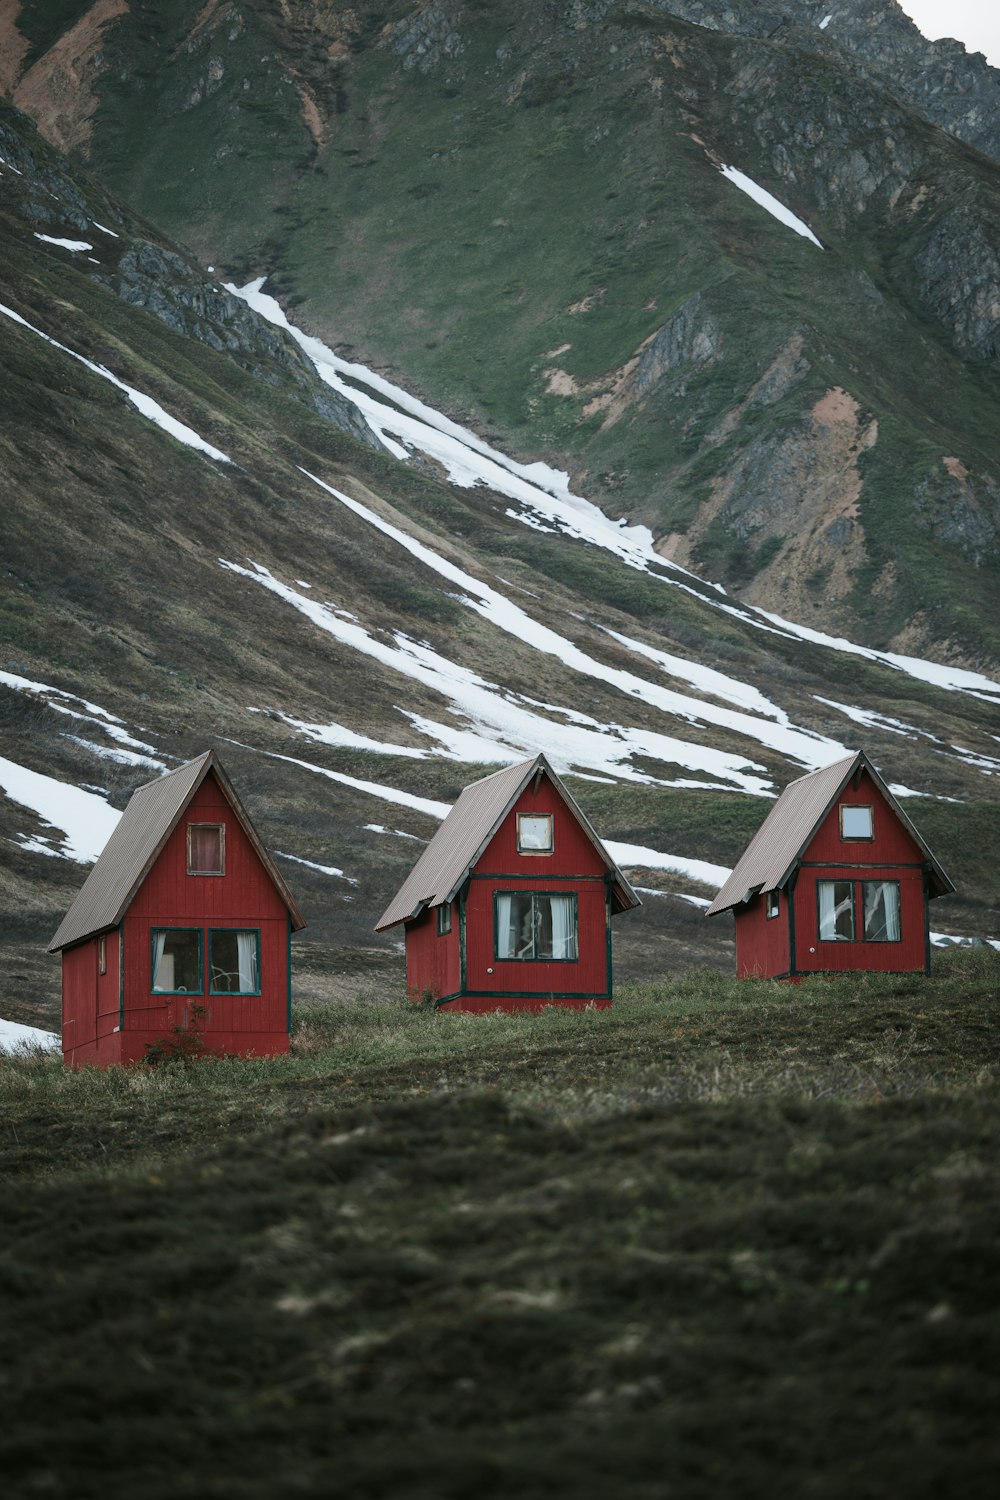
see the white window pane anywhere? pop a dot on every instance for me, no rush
(534, 833)
(881, 902)
(836, 910)
(856, 822)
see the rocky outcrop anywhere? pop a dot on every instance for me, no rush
(958, 270)
(961, 509)
(949, 86)
(427, 38)
(162, 281)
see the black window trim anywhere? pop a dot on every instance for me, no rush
(854, 912)
(533, 958)
(201, 960)
(233, 994)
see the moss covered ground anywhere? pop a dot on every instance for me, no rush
(724, 1238)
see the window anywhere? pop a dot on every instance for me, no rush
(880, 903)
(836, 910)
(176, 961)
(206, 849)
(857, 822)
(102, 955)
(532, 925)
(771, 904)
(234, 962)
(444, 919)
(534, 833)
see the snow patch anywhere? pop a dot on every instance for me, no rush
(504, 729)
(768, 201)
(311, 864)
(64, 244)
(81, 821)
(149, 408)
(15, 1038)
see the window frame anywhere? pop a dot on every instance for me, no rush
(772, 905)
(233, 994)
(852, 883)
(199, 932)
(548, 818)
(858, 838)
(221, 827)
(533, 958)
(102, 954)
(444, 919)
(899, 911)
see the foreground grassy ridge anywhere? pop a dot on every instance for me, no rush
(725, 1238)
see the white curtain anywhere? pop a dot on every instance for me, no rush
(882, 911)
(506, 936)
(830, 909)
(563, 927)
(159, 943)
(246, 951)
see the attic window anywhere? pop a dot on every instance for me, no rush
(444, 919)
(857, 822)
(771, 903)
(534, 833)
(206, 849)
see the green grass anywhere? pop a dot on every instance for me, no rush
(723, 1239)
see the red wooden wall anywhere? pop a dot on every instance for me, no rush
(111, 1018)
(763, 944)
(573, 868)
(90, 1001)
(433, 959)
(892, 854)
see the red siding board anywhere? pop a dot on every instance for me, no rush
(892, 854)
(574, 867)
(763, 949)
(433, 959)
(112, 1017)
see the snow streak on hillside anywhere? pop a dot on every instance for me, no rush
(150, 409)
(544, 495)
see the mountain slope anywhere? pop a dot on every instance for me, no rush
(207, 542)
(521, 207)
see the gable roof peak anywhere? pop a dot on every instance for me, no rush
(467, 830)
(152, 814)
(778, 845)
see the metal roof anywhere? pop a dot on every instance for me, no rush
(144, 827)
(465, 833)
(776, 847)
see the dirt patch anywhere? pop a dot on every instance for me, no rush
(13, 46)
(57, 91)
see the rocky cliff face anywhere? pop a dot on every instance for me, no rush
(949, 86)
(520, 208)
(164, 281)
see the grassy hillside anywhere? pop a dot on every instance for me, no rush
(737, 1235)
(113, 593)
(514, 213)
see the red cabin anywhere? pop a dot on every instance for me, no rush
(509, 907)
(184, 924)
(835, 879)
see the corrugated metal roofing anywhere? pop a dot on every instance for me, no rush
(144, 827)
(779, 842)
(465, 833)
